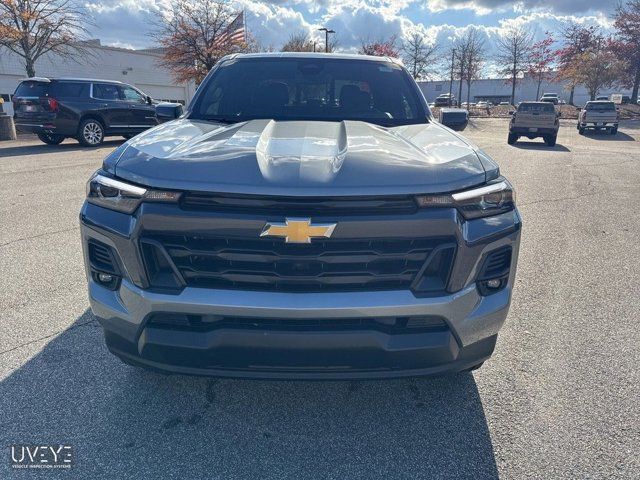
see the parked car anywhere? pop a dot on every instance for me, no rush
(598, 115)
(280, 231)
(482, 104)
(85, 109)
(505, 104)
(618, 98)
(603, 97)
(444, 100)
(550, 97)
(454, 118)
(532, 120)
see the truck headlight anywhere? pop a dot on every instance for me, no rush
(123, 197)
(492, 199)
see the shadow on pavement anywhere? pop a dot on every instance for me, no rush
(602, 135)
(41, 148)
(128, 423)
(540, 146)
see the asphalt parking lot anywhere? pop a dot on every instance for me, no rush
(558, 400)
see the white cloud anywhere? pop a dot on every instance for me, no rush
(484, 7)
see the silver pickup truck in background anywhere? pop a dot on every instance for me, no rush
(599, 115)
(532, 120)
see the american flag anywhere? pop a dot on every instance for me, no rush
(235, 33)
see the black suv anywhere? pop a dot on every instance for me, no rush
(85, 109)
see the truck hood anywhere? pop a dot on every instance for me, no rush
(307, 158)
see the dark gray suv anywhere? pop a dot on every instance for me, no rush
(85, 109)
(304, 218)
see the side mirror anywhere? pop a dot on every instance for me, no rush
(149, 100)
(165, 112)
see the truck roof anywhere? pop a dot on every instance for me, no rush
(68, 79)
(318, 55)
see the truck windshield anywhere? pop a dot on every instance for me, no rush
(601, 106)
(536, 107)
(310, 89)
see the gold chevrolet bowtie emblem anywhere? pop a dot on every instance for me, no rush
(298, 230)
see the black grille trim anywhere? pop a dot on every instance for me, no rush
(496, 264)
(102, 258)
(265, 264)
(205, 323)
(311, 206)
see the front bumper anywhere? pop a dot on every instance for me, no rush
(470, 321)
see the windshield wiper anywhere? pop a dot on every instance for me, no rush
(228, 120)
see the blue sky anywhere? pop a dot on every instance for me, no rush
(126, 23)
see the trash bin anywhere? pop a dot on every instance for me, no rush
(7, 128)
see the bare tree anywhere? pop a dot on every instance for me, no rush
(298, 42)
(195, 34)
(470, 50)
(513, 54)
(33, 28)
(419, 56)
(459, 63)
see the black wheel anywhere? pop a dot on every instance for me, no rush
(90, 133)
(550, 140)
(51, 139)
(613, 131)
(581, 130)
(512, 138)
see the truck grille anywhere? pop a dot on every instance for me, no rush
(271, 205)
(272, 264)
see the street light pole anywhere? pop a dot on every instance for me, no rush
(326, 37)
(453, 58)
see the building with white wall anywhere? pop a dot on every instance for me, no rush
(498, 90)
(139, 68)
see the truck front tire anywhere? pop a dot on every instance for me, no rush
(512, 138)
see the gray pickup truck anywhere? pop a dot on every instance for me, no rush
(599, 115)
(532, 120)
(306, 217)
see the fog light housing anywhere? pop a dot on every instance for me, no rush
(494, 273)
(488, 287)
(107, 280)
(105, 277)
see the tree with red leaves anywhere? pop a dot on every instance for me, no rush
(541, 61)
(381, 48)
(193, 37)
(626, 45)
(577, 40)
